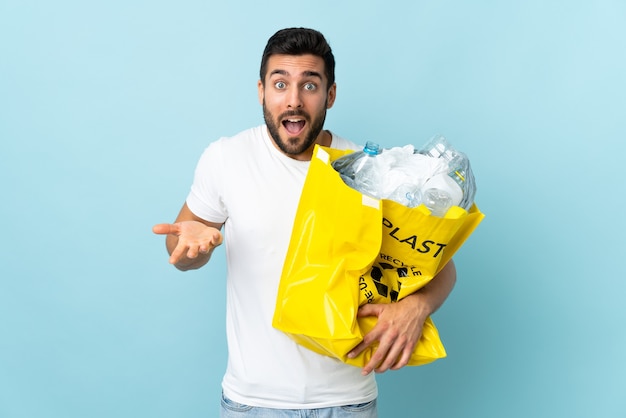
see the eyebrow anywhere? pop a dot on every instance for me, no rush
(304, 73)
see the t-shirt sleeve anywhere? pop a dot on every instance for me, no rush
(344, 144)
(206, 198)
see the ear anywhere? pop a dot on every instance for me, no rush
(261, 91)
(332, 94)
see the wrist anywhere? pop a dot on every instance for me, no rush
(421, 303)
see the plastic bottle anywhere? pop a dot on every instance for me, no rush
(438, 201)
(446, 184)
(360, 169)
(459, 169)
(407, 194)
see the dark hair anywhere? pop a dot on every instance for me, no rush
(300, 41)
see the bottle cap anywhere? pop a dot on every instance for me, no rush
(371, 148)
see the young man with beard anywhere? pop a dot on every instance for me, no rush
(250, 184)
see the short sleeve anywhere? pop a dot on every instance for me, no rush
(205, 198)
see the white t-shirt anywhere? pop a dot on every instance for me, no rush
(247, 183)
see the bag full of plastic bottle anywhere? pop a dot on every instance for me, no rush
(436, 175)
(372, 226)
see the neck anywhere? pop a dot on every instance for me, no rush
(324, 139)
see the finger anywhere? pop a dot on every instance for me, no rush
(192, 252)
(369, 309)
(217, 239)
(166, 229)
(177, 254)
(407, 352)
(214, 241)
(404, 359)
(358, 349)
(390, 359)
(368, 339)
(376, 360)
(371, 342)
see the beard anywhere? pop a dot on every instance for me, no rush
(294, 145)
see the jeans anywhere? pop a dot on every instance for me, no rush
(232, 409)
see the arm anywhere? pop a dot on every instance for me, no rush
(399, 325)
(190, 240)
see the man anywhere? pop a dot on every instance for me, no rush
(250, 185)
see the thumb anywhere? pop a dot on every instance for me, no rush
(166, 229)
(369, 309)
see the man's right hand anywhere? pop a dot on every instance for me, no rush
(194, 239)
(190, 240)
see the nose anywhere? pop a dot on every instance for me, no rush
(294, 101)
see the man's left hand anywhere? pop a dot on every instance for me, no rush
(397, 331)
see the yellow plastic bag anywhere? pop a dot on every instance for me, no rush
(348, 249)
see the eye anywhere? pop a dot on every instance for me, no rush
(310, 86)
(280, 85)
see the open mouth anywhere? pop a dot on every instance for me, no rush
(294, 125)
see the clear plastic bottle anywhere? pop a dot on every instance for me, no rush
(447, 184)
(459, 167)
(438, 201)
(360, 169)
(407, 194)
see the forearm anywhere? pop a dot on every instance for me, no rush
(434, 294)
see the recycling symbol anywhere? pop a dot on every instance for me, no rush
(384, 290)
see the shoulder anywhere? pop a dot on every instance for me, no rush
(239, 144)
(244, 138)
(342, 143)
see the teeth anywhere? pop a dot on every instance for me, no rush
(294, 120)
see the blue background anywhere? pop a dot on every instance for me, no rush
(105, 107)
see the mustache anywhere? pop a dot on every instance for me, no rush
(291, 113)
